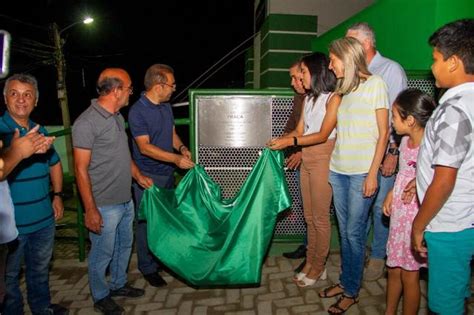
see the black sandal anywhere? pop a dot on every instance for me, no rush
(325, 293)
(337, 305)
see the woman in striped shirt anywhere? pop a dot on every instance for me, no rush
(362, 135)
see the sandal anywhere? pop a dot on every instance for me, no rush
(326, 293)
(337, 309)
(305, 281)
(298, 277)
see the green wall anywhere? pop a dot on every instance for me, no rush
(284, 39)
(249, 62)
(403, 27)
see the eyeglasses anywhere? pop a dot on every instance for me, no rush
(173, 86)
(129, 88)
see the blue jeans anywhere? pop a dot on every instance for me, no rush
(147, 263)
(113, 246)
(380, 221)
(352, 212)
(36, 249)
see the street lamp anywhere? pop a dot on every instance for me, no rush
(60, 63)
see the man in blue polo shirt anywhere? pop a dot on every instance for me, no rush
(152, 126)
(19, 149)
(35, 214)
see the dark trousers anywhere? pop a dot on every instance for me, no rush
(147, 263)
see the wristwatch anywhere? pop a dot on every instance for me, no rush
(59, 194)
(393, 151)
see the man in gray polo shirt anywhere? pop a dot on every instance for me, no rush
(104, 171)
(395, 78)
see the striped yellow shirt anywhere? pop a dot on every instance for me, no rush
(357, 131)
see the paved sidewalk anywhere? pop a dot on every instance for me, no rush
(277, 294)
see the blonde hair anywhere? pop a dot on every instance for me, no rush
(352, 55)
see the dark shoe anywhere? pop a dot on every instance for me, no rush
(58, 309)
(127, 291)
(300, 252)
(52, 309)
(301, 266)
(155, 280)
(108, 306)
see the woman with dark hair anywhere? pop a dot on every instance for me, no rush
(316, 133)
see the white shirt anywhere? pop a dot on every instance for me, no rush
(449, 141)
(314, 112)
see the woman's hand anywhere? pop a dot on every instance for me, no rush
(280, 143)
(370, 186)
(387, 204)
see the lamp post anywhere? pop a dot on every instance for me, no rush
(60, 63)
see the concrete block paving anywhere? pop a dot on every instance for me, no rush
(277, 294)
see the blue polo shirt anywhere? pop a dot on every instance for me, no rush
(29, 181)
(156, 121)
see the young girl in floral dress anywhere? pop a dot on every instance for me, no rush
(411, 110)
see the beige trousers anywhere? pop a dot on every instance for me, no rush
(317, 194)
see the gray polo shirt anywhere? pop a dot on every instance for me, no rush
(110, 167)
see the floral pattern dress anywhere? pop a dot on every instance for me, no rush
(399, 250)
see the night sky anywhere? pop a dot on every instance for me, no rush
(190, 36)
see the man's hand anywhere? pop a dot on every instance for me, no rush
(389, 164)
(280, 143)
(294, 160)
(58, 207)
(186, 153)
(144, 181)
(417, 241)
(93, 220)
(33, 142)
(27, 145)
(184, 162)
(409, 192)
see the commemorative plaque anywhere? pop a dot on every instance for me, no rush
(234, 121)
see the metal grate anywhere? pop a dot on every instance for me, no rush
(425, 85)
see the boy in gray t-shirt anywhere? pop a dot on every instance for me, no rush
(445, 168)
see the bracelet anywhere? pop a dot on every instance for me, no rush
(181, 147)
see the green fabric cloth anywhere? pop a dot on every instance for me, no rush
(208, 240)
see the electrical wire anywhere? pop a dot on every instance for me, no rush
(214, 65)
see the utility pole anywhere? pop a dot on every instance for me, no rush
(60, 63)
